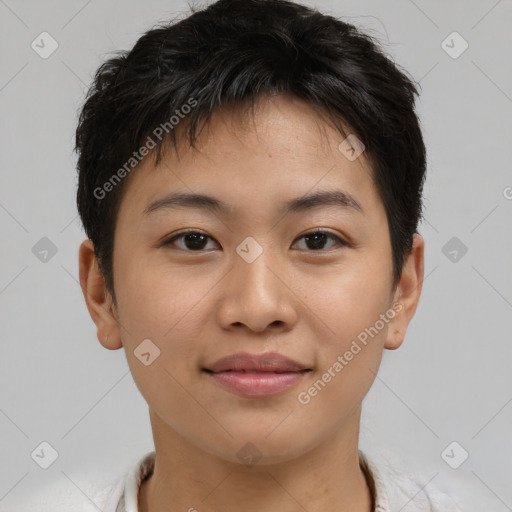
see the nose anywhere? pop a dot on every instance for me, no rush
(258, 295)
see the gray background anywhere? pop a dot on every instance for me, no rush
(450, 381)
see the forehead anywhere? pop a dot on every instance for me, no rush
(256, 163)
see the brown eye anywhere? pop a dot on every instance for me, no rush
(317, 240)
(194, 241)
(189, 241)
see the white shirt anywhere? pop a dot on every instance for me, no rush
(391, 492)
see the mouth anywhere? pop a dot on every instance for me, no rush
(245, 362)
(256, 375)
(256, 372)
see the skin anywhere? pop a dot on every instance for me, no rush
(200, 305)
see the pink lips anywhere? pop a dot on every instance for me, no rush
(256, 375)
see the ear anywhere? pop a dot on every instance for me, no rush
(407, 294)
(99, 302)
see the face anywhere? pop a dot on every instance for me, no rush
(202, 282)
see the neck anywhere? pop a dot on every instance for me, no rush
(327, 478)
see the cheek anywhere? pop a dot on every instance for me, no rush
(354, 311)
(348, 298)
(159, 300)
(163, 309)
(349, 354)
(167, 307)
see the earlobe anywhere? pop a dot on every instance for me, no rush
(407, 294)
(98, 301)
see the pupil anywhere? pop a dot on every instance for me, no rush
(196, 239)
(319, 239)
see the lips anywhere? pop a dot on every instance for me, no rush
(244, 362)
(253, 376)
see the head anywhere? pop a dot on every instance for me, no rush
(304, 137)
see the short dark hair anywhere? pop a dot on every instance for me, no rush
(231, 53)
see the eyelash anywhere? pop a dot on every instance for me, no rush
(341, 242)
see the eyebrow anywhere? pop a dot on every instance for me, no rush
(337, 198)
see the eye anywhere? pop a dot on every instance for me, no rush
(316, 239)
(197, 240)
(192, 240)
